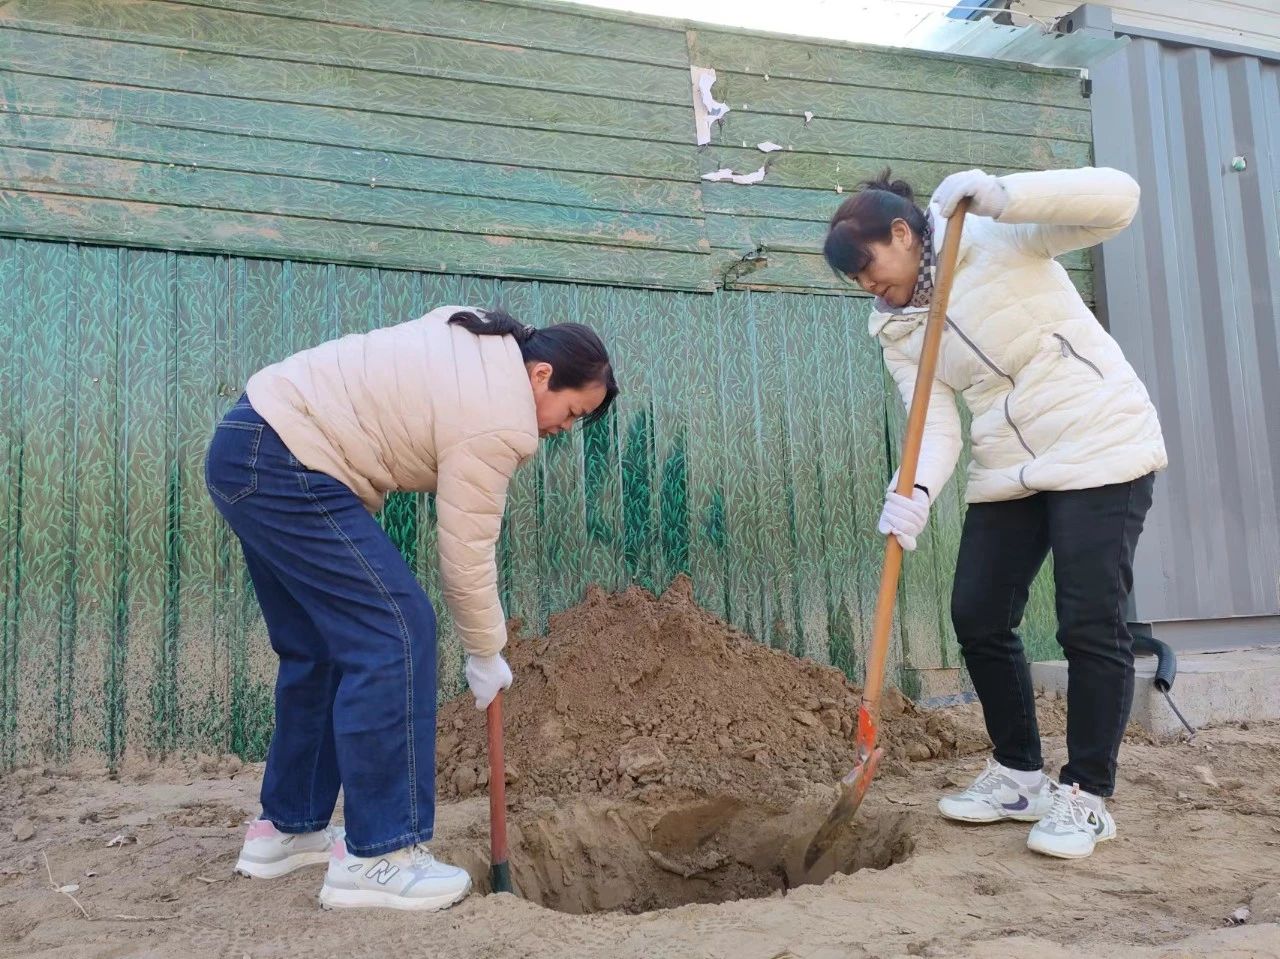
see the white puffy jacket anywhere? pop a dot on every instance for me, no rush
(1055, 404)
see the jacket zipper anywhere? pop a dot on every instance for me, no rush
(1069, 350)
(1008, 418)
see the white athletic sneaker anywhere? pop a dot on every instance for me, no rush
(405, 879)
(1076, 823)
(268, 853)
(995, 795)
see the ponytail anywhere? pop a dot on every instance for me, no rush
(577, 356)
(493, 323)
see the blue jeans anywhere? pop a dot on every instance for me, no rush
(356, 637)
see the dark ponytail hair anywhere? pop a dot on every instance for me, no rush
(867, 217)
(576, 354)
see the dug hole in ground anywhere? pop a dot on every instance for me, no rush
(665, 776)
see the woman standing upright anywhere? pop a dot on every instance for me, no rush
(1065, 445)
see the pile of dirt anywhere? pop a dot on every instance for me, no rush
(635, 696)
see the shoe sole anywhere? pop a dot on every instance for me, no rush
(274, 870)
(1069, 855)
(996, 817)
(331, 898)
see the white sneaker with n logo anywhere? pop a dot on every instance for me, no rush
(1077, 822)
(405, 879)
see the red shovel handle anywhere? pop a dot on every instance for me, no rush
(500, 871)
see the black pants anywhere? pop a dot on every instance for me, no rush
(1093, 534)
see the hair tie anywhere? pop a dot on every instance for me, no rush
(528, 331)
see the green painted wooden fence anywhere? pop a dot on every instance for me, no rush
(529, 140)
(190, 190)
(748, 449)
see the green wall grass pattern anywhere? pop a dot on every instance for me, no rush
(748, 449)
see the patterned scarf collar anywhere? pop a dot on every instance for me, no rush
(923, 294)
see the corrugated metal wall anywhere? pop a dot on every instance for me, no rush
(748, 450)
(1248, 23)
(1193, 296)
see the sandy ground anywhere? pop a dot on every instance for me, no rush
(1199, 839)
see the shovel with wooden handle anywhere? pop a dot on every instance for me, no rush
(853, 787)
(499, 868)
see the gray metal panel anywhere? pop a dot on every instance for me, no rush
(1192, 293)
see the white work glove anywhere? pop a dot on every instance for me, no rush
(905, 517)
(988, 193)
(487, 676)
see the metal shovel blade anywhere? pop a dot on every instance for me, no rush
(853, 787)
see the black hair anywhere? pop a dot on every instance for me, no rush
(576, 354)
(867, 217)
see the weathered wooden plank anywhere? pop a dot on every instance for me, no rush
(76, 174)
(834, 174)
(809, 271)
(843, 172)
(529, 25)
(276, 81)
(801, 236)
(782, 235)
(878, 67)
(135, 139)
(180, 228)
(245, 33)
(886, 102)
(939, 144)
(391, 140)
(801, 271)
(817, 203)
(357, 128)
